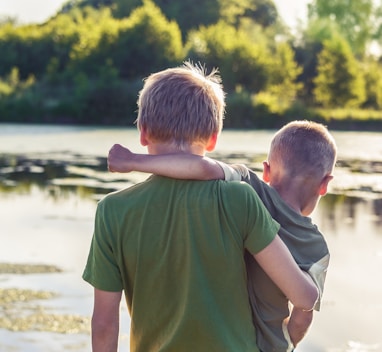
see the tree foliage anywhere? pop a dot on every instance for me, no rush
(147, 42)
(137, 45)
(373, 84)
(191, 14)
(234, 12)
(377, 24)
(283, 75)
(242, 63)
(353, 18)
(339, 81)
(315, 34)
(187, 14)
(86, 63)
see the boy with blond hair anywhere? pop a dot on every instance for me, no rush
(299, 167)
(175, 247)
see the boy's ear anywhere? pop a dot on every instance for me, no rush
(324, 185)
(266, 172)
(143, 137)
(211, 144)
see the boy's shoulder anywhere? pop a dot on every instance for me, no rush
(128, 189)
(239, 194)
(234, 172)
(241, 172)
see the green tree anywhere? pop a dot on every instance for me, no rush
(26, 47)
(352, 17)
(373, 83)
(339, 82)
(242, 62)
(376, 20)
(13, 84)
(284, 74)
(307, 50)
(95, 3)
(71, 5)
(146, 42)
(95, 31)
(135, 46)
(262, 12)
(186, 13)
(33, 48)
(191, 14)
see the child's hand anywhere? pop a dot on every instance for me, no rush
(119, 158)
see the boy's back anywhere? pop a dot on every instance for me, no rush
(170, 238)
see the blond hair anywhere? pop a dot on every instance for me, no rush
(304, 148)
(182, 105)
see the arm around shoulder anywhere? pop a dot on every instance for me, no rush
(176, 165)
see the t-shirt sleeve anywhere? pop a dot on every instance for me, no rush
(101, 269)
(318, 273)
(260, 227)
(232, 173)
(240, 172)
(263, 232)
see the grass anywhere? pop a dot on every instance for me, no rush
(350, 114)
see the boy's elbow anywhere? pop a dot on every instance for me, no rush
(209, 170)
(309, 298)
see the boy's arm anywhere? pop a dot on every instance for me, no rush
(298, 324)
(299, 321)
(105, 321)
(280, 266)
(182, 166)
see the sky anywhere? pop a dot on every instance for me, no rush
(37, 11)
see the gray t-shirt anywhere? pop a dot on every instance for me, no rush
(269, 305)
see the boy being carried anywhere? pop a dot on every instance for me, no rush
(299, 167)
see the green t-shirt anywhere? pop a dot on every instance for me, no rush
(177, 250)
(306, 244)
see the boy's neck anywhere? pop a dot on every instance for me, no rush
(297, 198)
(172, 148)
(288, 198)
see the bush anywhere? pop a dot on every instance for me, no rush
(242, 62)
(242, 112)
(146, 43)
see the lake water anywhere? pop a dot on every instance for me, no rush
(52, 176)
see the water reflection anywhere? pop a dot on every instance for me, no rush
(339, 211)
(64, 174)
(332, 203)
(377, 208)
(61, 175)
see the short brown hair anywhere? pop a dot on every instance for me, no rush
(182, 105)
(304, 148)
